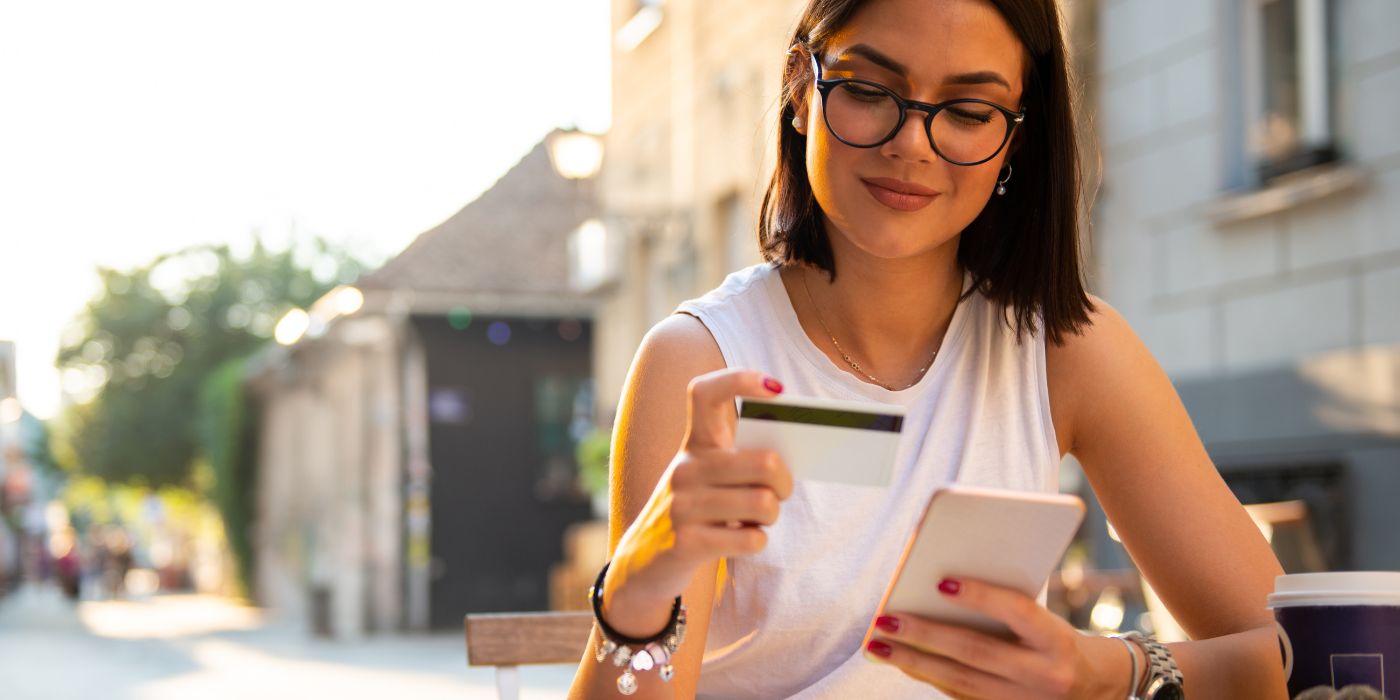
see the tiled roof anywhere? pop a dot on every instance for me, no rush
(513, 239)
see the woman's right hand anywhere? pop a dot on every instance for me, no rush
(711, 502)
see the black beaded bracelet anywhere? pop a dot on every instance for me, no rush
(653, 652)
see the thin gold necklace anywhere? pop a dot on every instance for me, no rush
(854, 365)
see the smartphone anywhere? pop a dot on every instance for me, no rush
(1009, 538)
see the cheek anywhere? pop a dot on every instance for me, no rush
(973, 187)
(826, 163)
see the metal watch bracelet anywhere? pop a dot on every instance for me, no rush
(1163, 680)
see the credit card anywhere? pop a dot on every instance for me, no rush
(846, 442)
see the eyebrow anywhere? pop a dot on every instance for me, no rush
(975, 78)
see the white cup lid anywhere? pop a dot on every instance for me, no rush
(1336, 588)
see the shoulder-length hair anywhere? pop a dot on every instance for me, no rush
(1022, 250)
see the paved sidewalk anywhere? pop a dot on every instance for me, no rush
(186, 646)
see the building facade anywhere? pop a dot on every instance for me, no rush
(695, 88)
(1248, 226)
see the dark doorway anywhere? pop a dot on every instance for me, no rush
(508, 400)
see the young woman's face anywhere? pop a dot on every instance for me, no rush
(927, 51)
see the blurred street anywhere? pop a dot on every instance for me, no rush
(190, 646)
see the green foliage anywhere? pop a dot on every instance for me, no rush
(229, 446)
(153, 335)
(592, 457)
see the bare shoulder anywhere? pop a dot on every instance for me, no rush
(680, 343)
(1087, 369)
(652, 410)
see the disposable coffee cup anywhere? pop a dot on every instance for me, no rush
(1339, 628)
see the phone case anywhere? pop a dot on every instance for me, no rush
(1009, 538)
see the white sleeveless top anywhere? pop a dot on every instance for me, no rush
(790, 620)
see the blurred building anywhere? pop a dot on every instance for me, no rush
(1248, 227)
(9, 538)
(8, 390)
(28, 481)
(415, 459)
(688, 154)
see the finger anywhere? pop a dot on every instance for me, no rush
(756, 467)
(952, 677)
(979, 650)
(722, 541)
(711, 418)
(720, 506)
(1037, 627)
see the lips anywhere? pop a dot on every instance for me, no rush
(898, 194)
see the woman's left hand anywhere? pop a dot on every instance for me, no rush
(1049, 660)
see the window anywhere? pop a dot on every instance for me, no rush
(646, 17)
(594, 256)
(1288, 78)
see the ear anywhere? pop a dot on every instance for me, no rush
(1017, 137)
(800, 92)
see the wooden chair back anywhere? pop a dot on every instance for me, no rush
(509, 640)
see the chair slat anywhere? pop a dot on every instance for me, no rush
(495, 639)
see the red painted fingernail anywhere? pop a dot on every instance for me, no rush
(949, 586)
(879, 648)
(773, 385)
(887, 623)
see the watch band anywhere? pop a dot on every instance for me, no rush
(1161, 666)
(1132, 669)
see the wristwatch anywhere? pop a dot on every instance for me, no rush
(1163, 680)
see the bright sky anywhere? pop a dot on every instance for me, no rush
(135, 128)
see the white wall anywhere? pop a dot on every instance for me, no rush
(1212, 296)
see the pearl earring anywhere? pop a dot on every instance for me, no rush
(1001, 184)
(797, 123)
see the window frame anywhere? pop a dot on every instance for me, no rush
(1317, 143)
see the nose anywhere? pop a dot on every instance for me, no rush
(911, 142)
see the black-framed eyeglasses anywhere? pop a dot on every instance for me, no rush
(863, 114)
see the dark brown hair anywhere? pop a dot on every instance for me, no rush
(1022, 250)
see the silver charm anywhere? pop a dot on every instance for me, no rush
(622, 656)
(627, 683)
(666, 672)
(601, 654)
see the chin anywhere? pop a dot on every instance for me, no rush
(891, 243)
(894, 237)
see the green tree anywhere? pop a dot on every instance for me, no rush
(152, 337)
(228, 444)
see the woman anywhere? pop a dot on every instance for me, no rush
(921, 229)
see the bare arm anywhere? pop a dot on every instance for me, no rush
(676, 485)
(1117, 412)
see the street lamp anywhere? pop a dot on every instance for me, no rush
(576, 155)
(292, 327)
